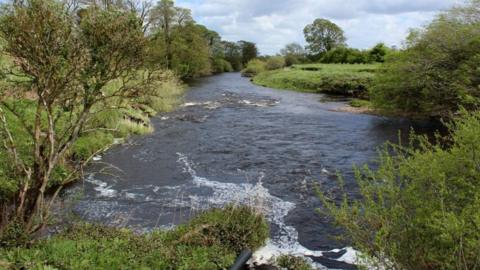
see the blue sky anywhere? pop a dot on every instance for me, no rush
(273, 23)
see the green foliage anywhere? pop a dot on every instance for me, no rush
(233, 54)
(249, 51)
(235, 227)
(275, 62)
(190, 49)
(419, 209)
(351, 80)
(210, 241)
(378, 53)
(360, 103)
(91, 143)
(220, 65)
(290, 262)
(322, 36)
(254, 67)
(438, 71)
(13, 235)
(294, 53)
(166, 94)
(345, 55)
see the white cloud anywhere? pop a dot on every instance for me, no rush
(273, 23)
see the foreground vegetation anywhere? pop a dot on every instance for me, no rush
(210, 241)
(420, 208)
(437, 72)
(338, 79)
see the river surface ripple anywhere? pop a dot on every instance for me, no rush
(233, 141)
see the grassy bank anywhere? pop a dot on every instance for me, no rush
(338, 79)
(118, 119)
(210, 241)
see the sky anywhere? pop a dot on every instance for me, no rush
(273, 23)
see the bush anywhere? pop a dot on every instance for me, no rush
(291, 60)
(344, 55)
(378, 53)
(438, 72)
(290, 262)
(235, 227)
(254, 67)
(14, 235)
(420, 208)
(210, 241)
(275, 62)
(220, 65)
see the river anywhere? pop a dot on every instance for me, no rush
(232, 141)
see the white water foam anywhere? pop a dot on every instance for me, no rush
(252, 194)
(274, 208)
(101, 187)
(211, 105)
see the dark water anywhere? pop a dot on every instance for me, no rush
(236, 142)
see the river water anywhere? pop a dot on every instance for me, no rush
(233, 141)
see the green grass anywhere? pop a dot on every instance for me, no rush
(126, 117)
(360, 103)
(291, 262)
(339, 79)
(210, 241)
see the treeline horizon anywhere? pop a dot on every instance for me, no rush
(177, 42)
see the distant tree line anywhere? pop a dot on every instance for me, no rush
(190, 49)
(326, 44)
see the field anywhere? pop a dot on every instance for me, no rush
(338, 79)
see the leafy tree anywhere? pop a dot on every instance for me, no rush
(438, 71)
(233, 54)
(165, 17)
(378, 53)
(191, 53)
(249, 51)
(420, 208)
(178, 42)
(294, 53)
(322, 36)
(68, 66)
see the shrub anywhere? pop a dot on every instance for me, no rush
(378, 53)
(220, 65)
(438, 72)
(210, 241)
(14, 235)
(291, 60)
(235, 227)
(420, 208)
(275, 62)
(345, 55)
(290, 262)
(254, 67)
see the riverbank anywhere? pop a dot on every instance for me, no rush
(337, 79)
(212, 240)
